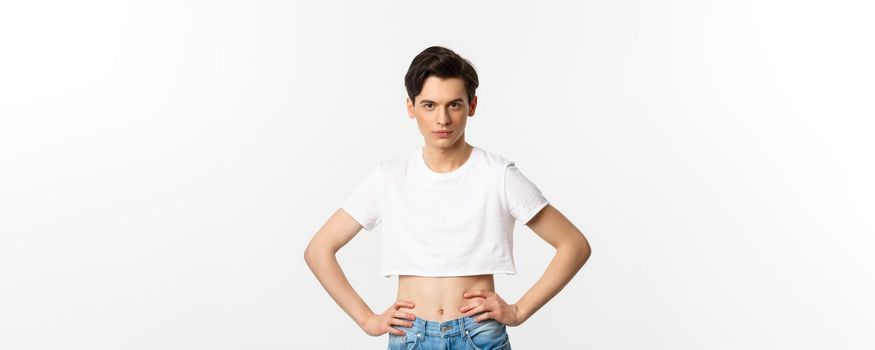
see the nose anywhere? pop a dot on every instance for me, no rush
(443, 117)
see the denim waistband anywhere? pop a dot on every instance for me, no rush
(440, 329)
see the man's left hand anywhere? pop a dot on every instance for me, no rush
(493, 306)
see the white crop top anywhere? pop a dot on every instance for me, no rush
(457, 223)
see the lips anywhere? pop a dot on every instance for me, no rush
(442, 133)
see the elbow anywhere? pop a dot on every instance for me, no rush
(586, 249)
(316, 254)
(312, 254)
(577, 248)
(586, 252)
(308, 254)
(583, 249)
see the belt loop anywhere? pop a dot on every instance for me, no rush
(424, 326)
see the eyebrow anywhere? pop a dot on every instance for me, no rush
(430, 101)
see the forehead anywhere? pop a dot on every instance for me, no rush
(439, 90)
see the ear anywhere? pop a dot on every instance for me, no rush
(410, 108)
(472, 106)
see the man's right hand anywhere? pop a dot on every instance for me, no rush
(377, 325)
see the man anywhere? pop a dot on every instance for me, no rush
(448, 210)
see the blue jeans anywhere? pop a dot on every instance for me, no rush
(460, 333)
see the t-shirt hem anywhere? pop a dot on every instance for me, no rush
(438, 274)
(535, 212)
(358, 218)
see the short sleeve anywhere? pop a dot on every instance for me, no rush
(524, 199)
(363, 203)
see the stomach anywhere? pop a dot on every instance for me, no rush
(439, 298)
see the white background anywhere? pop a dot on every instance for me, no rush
(164, 163)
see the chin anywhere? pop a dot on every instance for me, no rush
(445, 142)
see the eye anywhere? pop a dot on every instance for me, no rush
(454, 104)
(428, 105)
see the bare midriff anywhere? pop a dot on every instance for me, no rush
(439, 298)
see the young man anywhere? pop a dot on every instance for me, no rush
(448, 211)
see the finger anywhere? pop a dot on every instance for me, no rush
(405, 315)
(485, 316)
(475, 310)
(475, 293)
(468, 307)
(403, 303)
(400, 322)
(396, 331)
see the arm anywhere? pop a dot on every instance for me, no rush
(320, 256)
(572, 251)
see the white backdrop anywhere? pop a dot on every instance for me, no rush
(163, 165)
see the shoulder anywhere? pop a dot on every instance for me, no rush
(507, 169)
(493, 159)
(397, 162)
(392, 165)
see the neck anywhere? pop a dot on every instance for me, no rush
(448, 158)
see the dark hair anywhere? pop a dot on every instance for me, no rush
(443, 63)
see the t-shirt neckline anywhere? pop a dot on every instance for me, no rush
(419, 154)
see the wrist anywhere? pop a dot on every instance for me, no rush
(362, 320)
(521, 313)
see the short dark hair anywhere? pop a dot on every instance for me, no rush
(443, 63)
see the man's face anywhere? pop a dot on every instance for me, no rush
(442, 105)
